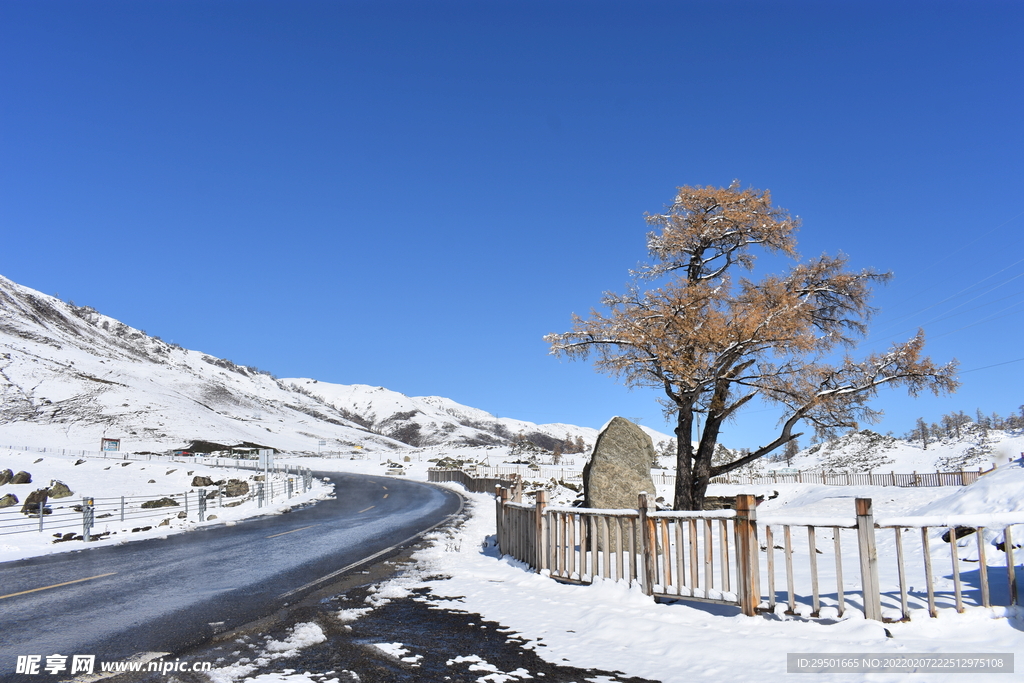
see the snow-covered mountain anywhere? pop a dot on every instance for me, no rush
(70, 376)
(430, 420)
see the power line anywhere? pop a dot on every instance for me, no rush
(979, 322)
(953, 296)
(959, 251)
(964, 372)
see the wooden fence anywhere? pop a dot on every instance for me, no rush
(474, 484)
(664, 478)
(715, 556)
(913, 479)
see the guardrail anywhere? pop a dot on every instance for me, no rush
(108, 455)
(56, 514)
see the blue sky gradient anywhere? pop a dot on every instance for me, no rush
(412, 194)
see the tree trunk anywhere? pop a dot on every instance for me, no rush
(701, 475)
(682, 500)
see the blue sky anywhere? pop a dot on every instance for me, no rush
(412, 194)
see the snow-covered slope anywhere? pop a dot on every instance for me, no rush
(866, 451)
(70, 376)
(430, 420)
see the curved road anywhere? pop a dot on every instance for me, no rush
(163, 595)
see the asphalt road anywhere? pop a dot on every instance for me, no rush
(164, 595)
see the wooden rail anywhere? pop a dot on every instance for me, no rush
(662, 478)
(473, 483)
(913, 479)
(705, 556)
(715, 556)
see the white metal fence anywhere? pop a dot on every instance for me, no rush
(63, 516)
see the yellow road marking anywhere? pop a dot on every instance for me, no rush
(384, 487)
(292, 531)
(57, 585)
(369, 508)
(386, 495)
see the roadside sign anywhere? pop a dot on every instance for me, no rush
(266, 458)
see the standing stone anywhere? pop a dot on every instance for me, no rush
(618, 471)
(620, 467)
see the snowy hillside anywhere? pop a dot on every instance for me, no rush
(70, 376)
(430, 420)
(866, 451)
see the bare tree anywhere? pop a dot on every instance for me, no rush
(922, 430)
(790, 451)
(713, 343)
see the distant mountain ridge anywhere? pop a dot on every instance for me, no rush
(430, 420)
(70, 375)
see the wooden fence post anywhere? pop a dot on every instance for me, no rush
(648, 549)
(540, 531)
(868, 560)
(747, 570)
(501, 497)
(1011, 567)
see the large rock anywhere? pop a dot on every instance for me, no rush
(21, 478)
(33, 501)
(6, 476)
(236, 487)
(201, 481)
(620, 467)
(160, 503)
(59, 489)
(9, 500)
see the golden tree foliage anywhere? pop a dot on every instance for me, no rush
(713, 341)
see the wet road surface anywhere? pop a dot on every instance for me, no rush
(439, 642)
(166, 595)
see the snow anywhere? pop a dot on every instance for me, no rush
(998, 491)
(302, 636)
(398, 651)
(496, 675)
